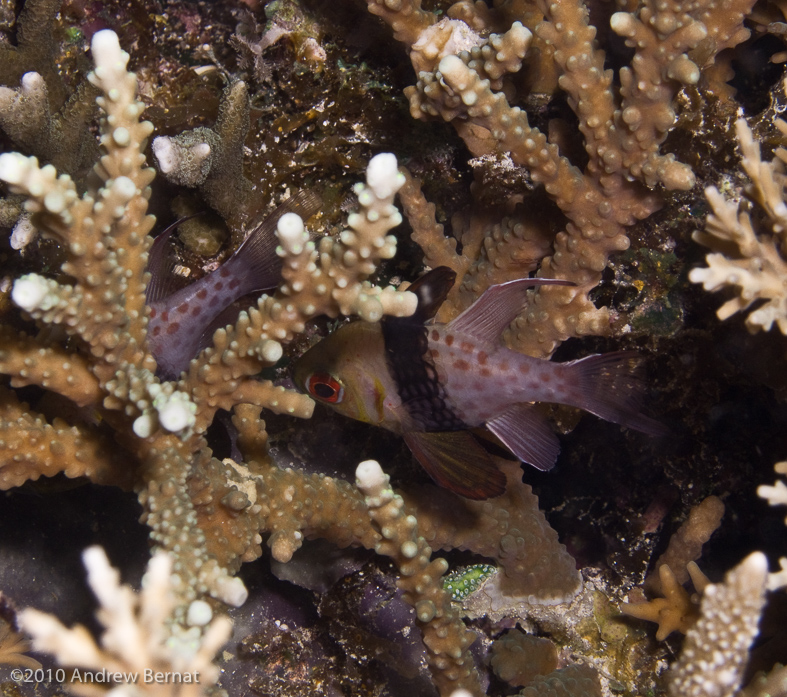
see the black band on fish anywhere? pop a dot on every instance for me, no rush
(406, 349)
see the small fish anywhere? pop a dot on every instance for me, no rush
(431, 383)
(183, 320)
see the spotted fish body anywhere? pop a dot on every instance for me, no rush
(433, 382)
(177, 323)
(482, 380)
(182, 321)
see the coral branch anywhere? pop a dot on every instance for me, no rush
(445, 635)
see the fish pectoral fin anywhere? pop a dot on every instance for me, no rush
(527, 434)
(455, 461)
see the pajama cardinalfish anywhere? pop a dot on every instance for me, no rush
(431, 383)
(182, 320)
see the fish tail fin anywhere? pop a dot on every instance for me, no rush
(255, 263)
(609, 386)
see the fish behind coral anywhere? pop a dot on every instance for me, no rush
(432, 382)
(182, 321)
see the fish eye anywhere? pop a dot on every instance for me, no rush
(325, 388)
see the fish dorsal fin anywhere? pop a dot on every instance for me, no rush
(257, 253)
(488, 316)
(455, 461)
(161, 265)
(432, 289)
(527, 434)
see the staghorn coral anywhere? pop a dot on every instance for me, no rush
(446, 638)
(776, 495)
(211, 159)
(160, 424)
(104, 309)
(753, 263)
(605, 482)
(135, 650)
(460, 79)
(676, 610)
(685, 546)
(717, 648)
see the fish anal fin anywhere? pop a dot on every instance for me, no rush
(488, 316)
(527, 434)
(455, 461)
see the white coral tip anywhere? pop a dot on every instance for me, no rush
(13, 167)
(290, 231)
(143, 425)
(23, 234)
(453, 70)
(32, 82)
(106, 48)
(382, 175)
(369, 477)
(622, 23)
(164, 152)
(198, 614)
(30, 291)
(271, 351)
(231, 591)
(125, 188)
(176, 413)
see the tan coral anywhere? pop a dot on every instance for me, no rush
(750, 261)
(623, 131)
(134, 641)
(677, 611)
(446, 638)
(100, 302)
(31, 448)
(716, 649)
(685, 545)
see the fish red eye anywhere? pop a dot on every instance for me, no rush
(325, 388)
